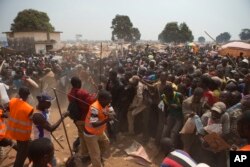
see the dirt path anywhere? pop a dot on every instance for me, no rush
(118, 156)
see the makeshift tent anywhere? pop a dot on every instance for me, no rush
(235, 49)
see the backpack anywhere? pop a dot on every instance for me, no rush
(75, 112)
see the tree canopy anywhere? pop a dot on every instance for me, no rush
(174, 33)
(223, 37)
(201, 39)
(31, 20)
(245, 34)
(123, 29)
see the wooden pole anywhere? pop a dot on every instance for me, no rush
(101, 64)
(56, 140)
(234, 63)
(122, 49)
(80, 100)
(210, 36)
(1, 67)
(64, 93)
(64, 127)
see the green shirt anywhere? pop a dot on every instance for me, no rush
(176, 100)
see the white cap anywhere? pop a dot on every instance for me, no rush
(202, 165)
(219, 107)
(245, 61)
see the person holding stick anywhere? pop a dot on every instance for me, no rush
(83, 99)
(41, 125)
(99, 114)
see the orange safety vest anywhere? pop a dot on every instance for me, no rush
(19, 124)
(2, 126)
(101, 116)
(245, 148)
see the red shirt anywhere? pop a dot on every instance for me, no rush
(209, 97)
(86, 99)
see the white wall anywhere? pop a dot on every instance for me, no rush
(39, 47)
(55, 36)
(38, 36)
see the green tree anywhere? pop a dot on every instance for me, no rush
(31, 20)
(170, 33)
(245, 34)
(185, 33)
(136, 35)
(174, 33)
(223, 37)
(201, 39)
(123, 29)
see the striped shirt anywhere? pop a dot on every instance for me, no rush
(178, 158)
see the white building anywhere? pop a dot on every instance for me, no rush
(40, 42)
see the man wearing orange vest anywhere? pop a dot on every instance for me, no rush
(95, 125)
(243, 127)
(19, 124)
(3, 140)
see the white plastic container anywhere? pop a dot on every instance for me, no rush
(4, 98)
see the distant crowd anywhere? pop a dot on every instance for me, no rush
(177, 97)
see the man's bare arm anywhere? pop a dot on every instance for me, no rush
(38, 119)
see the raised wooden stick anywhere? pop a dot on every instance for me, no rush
(64, 127)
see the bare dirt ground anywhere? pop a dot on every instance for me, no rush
(118, 156)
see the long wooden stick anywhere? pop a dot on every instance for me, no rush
(210, 36)
(234, 63)
(2, 66)
(57, 141)
(6, 155)
(101, 64)
(235, 66)
(64, 127)
(80, 100)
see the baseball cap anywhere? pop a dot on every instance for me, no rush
(219, 107)
(44, 97)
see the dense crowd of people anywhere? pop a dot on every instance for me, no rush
(179, 98)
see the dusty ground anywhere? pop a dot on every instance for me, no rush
(118, 156)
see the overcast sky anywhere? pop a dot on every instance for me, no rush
(92, 18)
